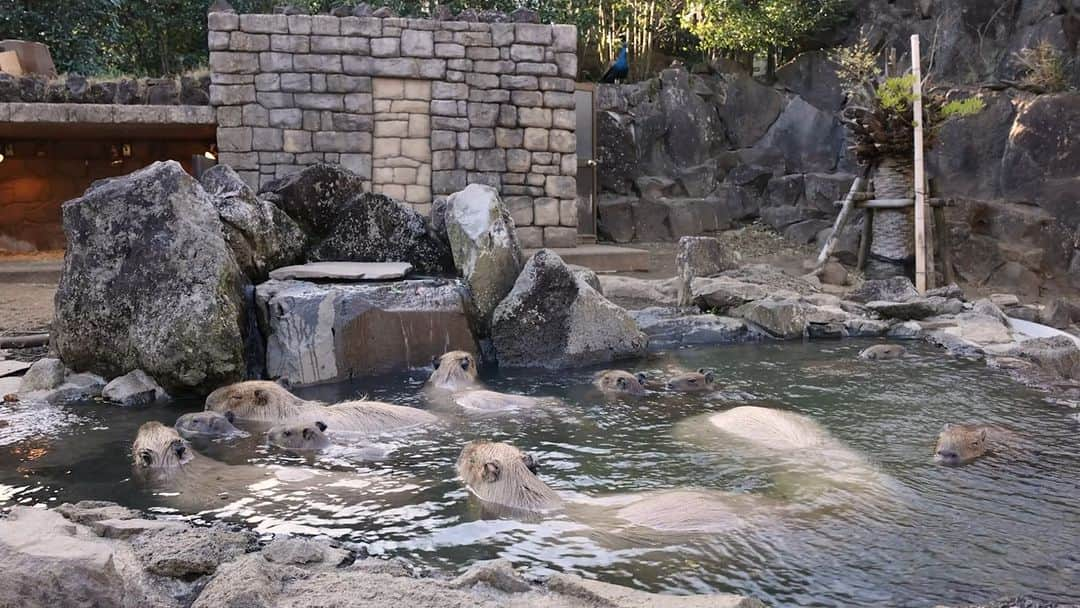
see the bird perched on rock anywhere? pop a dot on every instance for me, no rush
(618, 70)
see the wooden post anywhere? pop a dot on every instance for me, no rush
(920, 169)
(841, 219)
(931, 237)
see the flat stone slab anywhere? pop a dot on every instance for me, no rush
(9, 367)
(344, 271)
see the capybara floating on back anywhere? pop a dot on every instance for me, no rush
(619, 382)
(962, 443)
(263, 401)
(883, 352)
(454, 381)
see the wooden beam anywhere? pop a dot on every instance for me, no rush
(867, 235)
(920, 170)
(841, 219)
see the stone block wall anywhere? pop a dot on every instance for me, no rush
(419, 108)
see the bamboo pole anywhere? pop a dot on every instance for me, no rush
(841, 219)
(920, 169)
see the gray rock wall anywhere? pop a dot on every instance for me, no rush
(497, 107)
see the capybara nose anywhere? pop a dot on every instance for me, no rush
(946, 455)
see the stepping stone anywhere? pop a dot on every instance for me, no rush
(344, 271)
(9, 367)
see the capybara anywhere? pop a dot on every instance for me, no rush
(207, 424)
(693, 382)
(882, 352)
(263, 401)
(617, 381)
(299, 437)
(455, 370)
(962, 443)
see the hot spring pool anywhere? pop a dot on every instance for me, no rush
(1004, 525)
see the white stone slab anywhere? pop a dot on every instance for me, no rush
(344, 271)
(9, 367)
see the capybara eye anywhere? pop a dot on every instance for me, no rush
(288, 433)
(621, 383)
(464, 364)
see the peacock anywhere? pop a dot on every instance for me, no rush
(618, 70)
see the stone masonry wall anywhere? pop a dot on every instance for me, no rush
(296, 90)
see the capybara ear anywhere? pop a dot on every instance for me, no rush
(621, 383)
(642, 378)
(982, 435)
(435, 362)
(231, 417)
(284, 383)
(709, 376)
(530, 463)
(261, 397)
(701, 370)
(491, 472)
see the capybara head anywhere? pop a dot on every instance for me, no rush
(158, 446)
(254, 400)
(501, 475)
(207, 424)
(960, 443)
(692, 382)
(618, 381)
(299, 436)
(881, 352)
(456, 369)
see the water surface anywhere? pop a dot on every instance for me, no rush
(1005, 525)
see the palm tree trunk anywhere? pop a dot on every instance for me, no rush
(892, 245)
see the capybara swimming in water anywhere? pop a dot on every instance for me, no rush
(882, 352)
(617, 381)
(263, 401)
(962, 443)
(207, 424)
(455, 381)
(299, 437)
(503, 478)
(693, 382)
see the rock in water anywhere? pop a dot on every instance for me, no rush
(134, 388)
(552, 318)
(485, 248)
(343, 223)
(262, 236)
(150, 283)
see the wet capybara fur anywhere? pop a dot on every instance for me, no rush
(455, 370)
(157, 446)
(693, 382)
(883, 352)
(301, 437)
(502, 477)
(617, 381)
(963, 443)
(263, 401)
(207, 424)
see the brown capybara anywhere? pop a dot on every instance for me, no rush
(883, 352)
(962, 443)
(207, 424)
(619, 382)
(503, 477)
(269, 402)
(693, 382)
(300, 437)
(454, 371)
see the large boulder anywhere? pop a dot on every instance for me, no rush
(632, 292)
(319, 333)
(150, 283)
(1039, 165)
(262, 236)
(747, 108)
(803, 139)
(669, 327)
(812, 76)
(343, 223)
(616, 152)
(966, 156)
(485, 246)
(1058, 355)
(781, 318)
(700, 257)
(553, 319)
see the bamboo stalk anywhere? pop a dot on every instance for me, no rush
(841, 219)
(921, 281)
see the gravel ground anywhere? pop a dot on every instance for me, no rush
(27, 286)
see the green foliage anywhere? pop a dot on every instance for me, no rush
(759, 25)
(961, 108)
(896, 95)
(1045, 68)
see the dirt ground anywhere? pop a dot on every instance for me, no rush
(27, 286)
